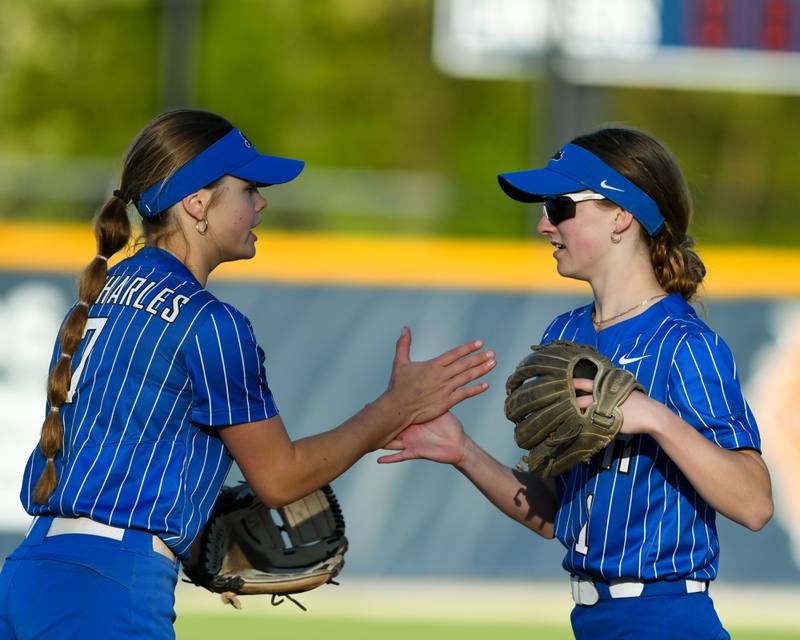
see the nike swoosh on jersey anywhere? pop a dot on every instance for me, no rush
(605, 185)
(625, 360)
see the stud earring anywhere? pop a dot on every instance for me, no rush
(202, 226)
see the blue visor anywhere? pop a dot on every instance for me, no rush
(575, 169)
(233, 155)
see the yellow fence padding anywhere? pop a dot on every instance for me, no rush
(401, 261)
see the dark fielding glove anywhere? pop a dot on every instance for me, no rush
(541, 403)
(247, 548)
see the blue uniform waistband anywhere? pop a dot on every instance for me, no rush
(129, 539)
(588, 591)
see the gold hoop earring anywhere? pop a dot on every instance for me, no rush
(202, 226)
(616, 238)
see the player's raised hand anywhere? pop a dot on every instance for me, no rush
(440, 440)
(425, 390)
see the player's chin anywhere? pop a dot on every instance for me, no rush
(567, 270)
(564, 269)
(248, 248)
(240, 253)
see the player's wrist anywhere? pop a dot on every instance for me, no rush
(653, 418)
(393, 410)
(469, 453)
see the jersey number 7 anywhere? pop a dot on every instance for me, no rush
(93, 328)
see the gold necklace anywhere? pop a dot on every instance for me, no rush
(598, 323)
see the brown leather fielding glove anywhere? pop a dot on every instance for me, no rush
(541, 403)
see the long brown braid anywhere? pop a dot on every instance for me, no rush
(162, 147)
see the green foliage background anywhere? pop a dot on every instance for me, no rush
(351, 83)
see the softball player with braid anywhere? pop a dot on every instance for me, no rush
(155, 386)
(638, 519)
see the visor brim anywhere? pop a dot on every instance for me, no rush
(535, 185)
(266, 170)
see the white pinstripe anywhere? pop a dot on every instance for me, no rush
(224, 371)
(678, 528)
(241, 356)
(192, 492)
(691, 406)
(163, 475)
(153, 450)
(191, 437)
(222, 456)
(630, 503)
(260, 390)
(611, 495)
(205, 380)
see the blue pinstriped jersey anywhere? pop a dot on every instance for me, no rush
(162, 364)
(629, 512)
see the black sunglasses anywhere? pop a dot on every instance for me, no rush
(563, 207)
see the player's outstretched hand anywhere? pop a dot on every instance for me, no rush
(425, 390)
(441, 440)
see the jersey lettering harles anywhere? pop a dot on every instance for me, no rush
(135, 291)
(140, 450)
(629, 512)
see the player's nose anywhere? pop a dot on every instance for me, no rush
(545, 227)
(261, 203)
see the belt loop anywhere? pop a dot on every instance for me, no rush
(584, 591)
(139, 541)
(146, 543)
(576, 593)
(626, 588)
(38, 530)
(696, 586)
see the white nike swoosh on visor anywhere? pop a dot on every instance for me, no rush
(605, 185)
(625, 360)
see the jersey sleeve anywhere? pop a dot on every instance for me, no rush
(226, 368)
(704, 391)
(547, 336)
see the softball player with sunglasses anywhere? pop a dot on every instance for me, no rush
(638, 520)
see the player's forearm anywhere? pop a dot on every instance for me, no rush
(318, 459)
(521, 496)
(735, 483)
(281, 471)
